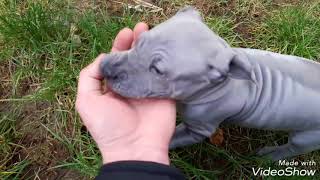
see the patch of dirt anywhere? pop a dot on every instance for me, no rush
(43, 153)
(26, 86)
(209, 8)
(114, 9)
(5, 86)
(286, 2)
(83, 5)
(4, 79)
(245, 19)
(117, 7)
(56, 174)
(237, 140)
(247, 141)
(34, 143)
(39, 146)
(69, 175)
(244, 30)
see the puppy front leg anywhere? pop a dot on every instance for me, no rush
(184, 136)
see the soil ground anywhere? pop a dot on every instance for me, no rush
(42, 136)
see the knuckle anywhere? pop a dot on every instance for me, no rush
(102, 55)
(83, 72)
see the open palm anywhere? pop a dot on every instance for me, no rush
(124, 129)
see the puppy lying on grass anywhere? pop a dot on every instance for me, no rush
(184, 60)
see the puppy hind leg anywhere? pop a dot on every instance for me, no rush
(184, 136)
(299, 143)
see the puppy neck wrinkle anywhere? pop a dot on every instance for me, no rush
(209, 94)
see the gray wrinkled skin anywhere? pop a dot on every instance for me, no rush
(184, 60)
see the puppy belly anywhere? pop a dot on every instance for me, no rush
(283, 105)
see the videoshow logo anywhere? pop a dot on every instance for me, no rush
(287, 171)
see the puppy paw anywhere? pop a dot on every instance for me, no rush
(266, 150)
(273, 152)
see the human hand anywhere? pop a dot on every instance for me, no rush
(124, 129)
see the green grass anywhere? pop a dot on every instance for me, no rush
(48, 46)
(44, 45)
(8, 168)
(224, 27)
(294, 31)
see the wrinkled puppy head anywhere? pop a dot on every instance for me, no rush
(176, 59)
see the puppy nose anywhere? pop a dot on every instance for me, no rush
(111, 72)
(107, 70)
(116, 77)
(112, 68)
(119, 76)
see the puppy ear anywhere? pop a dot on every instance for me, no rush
(230, 64)
(240, 68)
(191, 12)
(214, 75)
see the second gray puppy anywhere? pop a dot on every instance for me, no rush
(184, 60)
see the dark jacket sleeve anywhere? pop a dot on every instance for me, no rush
(138, 170)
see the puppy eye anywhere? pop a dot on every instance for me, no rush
(155, 67)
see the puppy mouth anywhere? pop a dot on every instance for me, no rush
(135, 93)
(158, 94)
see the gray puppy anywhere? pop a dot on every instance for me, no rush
(183, 59)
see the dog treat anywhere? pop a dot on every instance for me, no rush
(184, 60)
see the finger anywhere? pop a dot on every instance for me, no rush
(91, 77)
(123, 40)
(138, 29)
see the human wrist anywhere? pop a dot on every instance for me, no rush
(152, 154)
